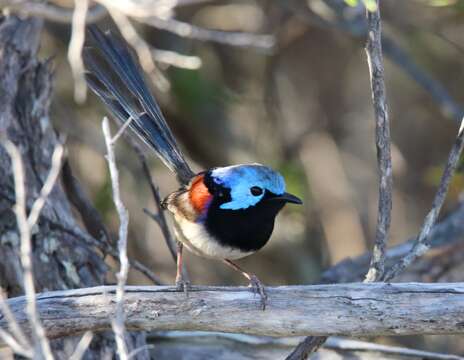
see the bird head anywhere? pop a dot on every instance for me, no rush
(240, 187)
(237, 204)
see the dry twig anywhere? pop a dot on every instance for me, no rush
(118, 322)
(160, 217)
(421, 245)
(382, 140)
(18, 342)
(25, 224)
(75, 49)
(82, 346)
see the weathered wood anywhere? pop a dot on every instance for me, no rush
(351, 310)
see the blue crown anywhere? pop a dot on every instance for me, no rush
(241, 178)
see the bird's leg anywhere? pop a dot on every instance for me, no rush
(255, 284)
(181, 283)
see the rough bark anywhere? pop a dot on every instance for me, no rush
(349, 310)
(61, 257)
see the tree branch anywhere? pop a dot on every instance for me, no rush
(422, 245)
(322, 310)
(119, 318)
(382, 141)
(449, 232)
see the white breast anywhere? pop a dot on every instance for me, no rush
(198, 241)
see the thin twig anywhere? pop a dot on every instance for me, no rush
(137, 8)
(12, 323)
(160, 217)
(52, 12)
(82, 346)
(175, 59)
(422, 244)
(186, 30)
(382, 140)
(75, 49)
(309, 345)
(48, 185)
(14, 344)
(41, 343)
(118, 322)
(94, 224)
(121, 130)
(137, 351)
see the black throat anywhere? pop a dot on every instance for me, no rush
(244, 229)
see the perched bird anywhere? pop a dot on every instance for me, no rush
(224, 213)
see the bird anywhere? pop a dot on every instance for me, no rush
(223, 213)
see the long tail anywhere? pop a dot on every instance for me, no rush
(114, 75)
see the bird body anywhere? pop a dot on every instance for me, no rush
(224, 213)
(229, 212)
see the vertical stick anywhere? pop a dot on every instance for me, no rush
(382, 141)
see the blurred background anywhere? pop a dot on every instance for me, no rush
(295, 95)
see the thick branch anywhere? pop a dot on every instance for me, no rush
(352, 310)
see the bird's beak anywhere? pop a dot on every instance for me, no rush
(286, 197)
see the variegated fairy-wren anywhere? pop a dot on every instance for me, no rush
(224, 213)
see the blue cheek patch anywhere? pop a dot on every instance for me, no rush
(241, 200)
(240, 178)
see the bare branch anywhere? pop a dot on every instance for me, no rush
(51, 12)
(175, 59)
(12, 323)
(446, 234)
(121, 130)
(17, 348)
(318, 310)
(90, 216)
(75, 49)
(40, 340)
(160, 217)
(82, 346)
(308, 346)
(422, 245)
(118, 321)
(186, 30)
(47, 187)
(382, 140)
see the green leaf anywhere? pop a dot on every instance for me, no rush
(351, 2)
(371, 5)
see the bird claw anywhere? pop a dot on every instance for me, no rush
(258, 289)
(183, 285)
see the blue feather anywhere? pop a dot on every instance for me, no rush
(114, 75)
(241, 178)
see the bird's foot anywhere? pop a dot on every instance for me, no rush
(258, 289)
(183, 285)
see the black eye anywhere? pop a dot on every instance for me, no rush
(256, 190)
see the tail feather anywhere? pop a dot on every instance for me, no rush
(116, 78)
